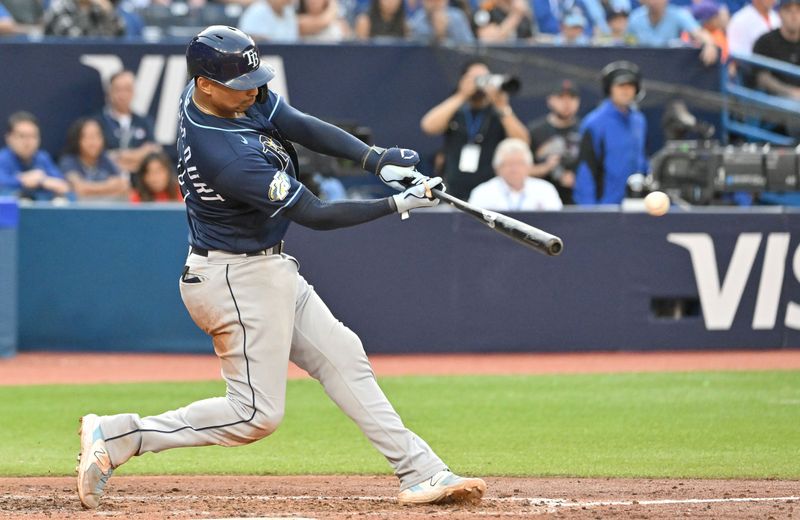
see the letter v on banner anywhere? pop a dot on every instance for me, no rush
(719, 301)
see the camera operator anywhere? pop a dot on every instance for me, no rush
(473, 120)
(613, 137)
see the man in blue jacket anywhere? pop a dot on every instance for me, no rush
(26, 171)
(613, 139)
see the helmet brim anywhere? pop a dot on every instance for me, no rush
(253, 79)
(625, 77)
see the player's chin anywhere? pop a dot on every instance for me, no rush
(247, 104)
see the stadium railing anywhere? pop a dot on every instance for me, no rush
(739, 88)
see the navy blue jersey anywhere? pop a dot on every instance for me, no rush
(237, 177)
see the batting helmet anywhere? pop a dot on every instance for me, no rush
(619, 73)
(229, 57)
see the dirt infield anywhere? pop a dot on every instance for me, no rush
(374, 497)
(51, 368)
(339, 497)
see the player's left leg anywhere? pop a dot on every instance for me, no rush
(334, 355)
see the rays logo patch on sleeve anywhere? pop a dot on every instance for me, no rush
(279, 187)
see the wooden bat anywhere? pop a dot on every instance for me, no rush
(523, 233)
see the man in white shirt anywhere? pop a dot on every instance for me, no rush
(749, 23)
(272, 20)
(513, 189)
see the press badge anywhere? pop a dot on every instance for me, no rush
(470, 156)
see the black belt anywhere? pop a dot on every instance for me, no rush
(274, 250)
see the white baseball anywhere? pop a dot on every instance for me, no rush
(656, 203)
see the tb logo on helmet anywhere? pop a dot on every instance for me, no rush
(252, 58)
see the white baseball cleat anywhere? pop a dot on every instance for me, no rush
(443, 488)
(94, 465)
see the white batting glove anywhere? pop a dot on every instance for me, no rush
(400, 177)
(417, 195)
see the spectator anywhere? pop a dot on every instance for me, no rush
(750, 22)
(556, 138)
(513, 189)
(612, 139)
(781, 44)
(271, 20)
(710, 16)
(7, 23)
(618, 33)
(438, 22)
(128, 136)
(27, 15)
(657, 23)
(547, 20)
(26, 12)
(384, 19)
(88, 168)
(573, 30)
(25, 170)
(77, 18)
(473, 121)
(134, 23)
(319, 21)
(157, 181)
(504, 21)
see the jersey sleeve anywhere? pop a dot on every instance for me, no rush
(49, 166)
(315, 134)
(259, 185)
(8, 177)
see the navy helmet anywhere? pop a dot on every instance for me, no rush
(230, 57)
(621, 72)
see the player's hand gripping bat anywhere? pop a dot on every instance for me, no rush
(528, 235)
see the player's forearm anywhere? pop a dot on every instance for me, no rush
(436, 120)
(110, 187)
(313, 213)
(769, 83)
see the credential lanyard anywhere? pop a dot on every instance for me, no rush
(474, 125)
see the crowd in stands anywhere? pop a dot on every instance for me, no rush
(109, 156)
(712, 25)
(113, 155)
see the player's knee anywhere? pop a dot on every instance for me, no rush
(265, 423)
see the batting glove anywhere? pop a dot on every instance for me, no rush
(417, 196)
(393, 166)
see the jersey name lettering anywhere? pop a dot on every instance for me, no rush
(190, 172)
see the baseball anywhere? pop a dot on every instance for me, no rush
(656, 203)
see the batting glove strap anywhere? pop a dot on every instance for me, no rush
(376, 158)
(416, 196)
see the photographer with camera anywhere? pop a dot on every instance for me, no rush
(473, 120)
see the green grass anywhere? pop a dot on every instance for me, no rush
(717, 424)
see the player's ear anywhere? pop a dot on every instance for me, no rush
(203, 84)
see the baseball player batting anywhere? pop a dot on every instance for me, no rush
(238, 176)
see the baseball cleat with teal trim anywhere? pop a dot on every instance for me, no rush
(444, 487)
(94, 465)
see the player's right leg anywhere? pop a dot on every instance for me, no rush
(333, 354)
(247, 305)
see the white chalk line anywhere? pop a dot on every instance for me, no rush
(527, 501)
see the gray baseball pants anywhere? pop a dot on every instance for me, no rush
(261, 313)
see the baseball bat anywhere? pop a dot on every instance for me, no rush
(523, 233)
